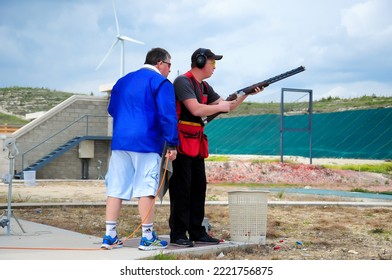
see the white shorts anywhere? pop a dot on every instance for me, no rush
(132, 174)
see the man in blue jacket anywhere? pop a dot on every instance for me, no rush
(143, 108)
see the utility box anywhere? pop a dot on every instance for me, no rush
(86, 149)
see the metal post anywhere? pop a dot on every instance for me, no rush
(281, 124)
(310, 125)
(9, 143)
(9, 210)
(10, 195)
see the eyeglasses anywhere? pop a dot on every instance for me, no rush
(213, 62)
(168, 63)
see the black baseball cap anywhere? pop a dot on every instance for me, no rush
(207, 52)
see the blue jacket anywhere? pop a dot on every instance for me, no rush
(143, 107)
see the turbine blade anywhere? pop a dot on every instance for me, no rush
(107, 54)
(126, 38)
(115, 17)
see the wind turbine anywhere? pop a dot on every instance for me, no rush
(119, 38)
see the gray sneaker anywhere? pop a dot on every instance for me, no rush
(182, 242)
(206, 239)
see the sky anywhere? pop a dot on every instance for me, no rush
(345, 45)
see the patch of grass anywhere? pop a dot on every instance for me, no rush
(280, 194)
(360, 190)
(383, 168)
(213, 198)
(264, 160)
(218, 158)
(6, 119)
(20, 199)
(387, 192)
(258, 185)
(377, 231)
(162, 257)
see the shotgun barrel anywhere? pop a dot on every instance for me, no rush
(250, 89)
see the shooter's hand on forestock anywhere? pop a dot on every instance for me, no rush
(239, 99)
(257, 90)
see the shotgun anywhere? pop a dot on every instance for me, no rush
(250, 89)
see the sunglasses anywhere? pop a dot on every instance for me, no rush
(168, 63)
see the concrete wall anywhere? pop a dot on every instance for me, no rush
(77, 116)
(69, 165)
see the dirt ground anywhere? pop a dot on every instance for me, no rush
(293, 232)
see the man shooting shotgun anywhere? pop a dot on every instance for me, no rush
(195, 99)
(187, 187)
(261, 85)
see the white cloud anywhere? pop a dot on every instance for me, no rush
(368, 19)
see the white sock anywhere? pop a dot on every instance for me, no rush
(147, 231)
(111, 228)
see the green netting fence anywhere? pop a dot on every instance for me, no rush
(356, 134)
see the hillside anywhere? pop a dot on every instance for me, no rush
(16, 102)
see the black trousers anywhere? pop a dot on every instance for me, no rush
(187, 189)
